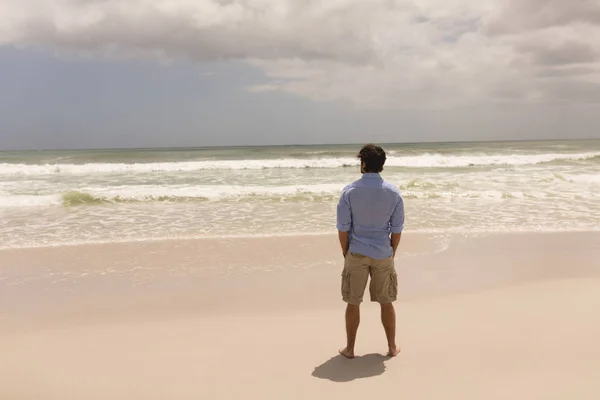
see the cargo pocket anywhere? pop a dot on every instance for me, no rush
(393, 288)
(345, 285)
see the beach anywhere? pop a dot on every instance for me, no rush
(193, 193)
(493, 316)
(216, 274)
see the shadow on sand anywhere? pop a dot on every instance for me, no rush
(341, 369)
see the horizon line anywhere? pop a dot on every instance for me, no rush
(214, 147)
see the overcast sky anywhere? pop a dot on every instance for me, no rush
(145, 73)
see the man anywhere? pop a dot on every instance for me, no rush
(370, 219)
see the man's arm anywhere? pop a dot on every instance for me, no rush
(396, 241)
(344, 222)
(344, 242)
(397, 224)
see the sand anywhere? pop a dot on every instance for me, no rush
(494, 317)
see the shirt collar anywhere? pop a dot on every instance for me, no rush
(371, 175)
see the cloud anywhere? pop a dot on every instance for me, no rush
(562, 53)
(371, 53)
(521, 16)
(202, 30)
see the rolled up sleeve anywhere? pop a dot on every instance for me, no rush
(397, 219)
(344, 214)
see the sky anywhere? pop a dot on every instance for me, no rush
(170, 73)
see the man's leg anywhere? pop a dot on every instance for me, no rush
(354, 282)
(384, 290)
(352, 322)
(388, 319)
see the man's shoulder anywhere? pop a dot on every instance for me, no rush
(350, 186)
(391, 187)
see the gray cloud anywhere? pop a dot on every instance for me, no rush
(570, 71)
(573, 53)
(572, 90)
(372, 53)
(204, 30)
(555, 54)
(518, 16)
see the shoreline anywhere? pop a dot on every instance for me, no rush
(424, 232)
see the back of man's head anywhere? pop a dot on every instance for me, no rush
(372, 158)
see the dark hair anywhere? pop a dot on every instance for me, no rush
(373, 158)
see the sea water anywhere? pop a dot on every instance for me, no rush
(50, 198)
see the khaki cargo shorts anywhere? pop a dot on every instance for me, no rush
(357, 269)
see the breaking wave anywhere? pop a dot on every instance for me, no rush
(167, 194)
(420, 161)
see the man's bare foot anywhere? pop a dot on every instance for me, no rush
(346, 353)
(393, 352)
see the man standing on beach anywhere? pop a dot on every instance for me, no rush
(370, 219)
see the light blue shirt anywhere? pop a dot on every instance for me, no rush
(370, 209)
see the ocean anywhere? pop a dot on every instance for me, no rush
(50, 198)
